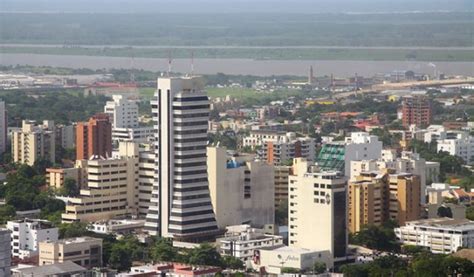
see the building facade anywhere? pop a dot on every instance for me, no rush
(110, 189)
(241, 189)
(55, 177)
(3, 128)
(440, 235)
(321, 193)
(34, 142)
(461, 147)
(242, 242)
(416, 110)
(377, 196)
(337, 155)
(84, 251)
(94, 138)
(282, 174)
(123, 113)
(5, 252)
(26, 234)
(181, 206)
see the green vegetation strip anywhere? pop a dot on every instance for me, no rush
(258, 53)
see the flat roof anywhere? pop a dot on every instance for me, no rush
(445, 222)
(49, 270)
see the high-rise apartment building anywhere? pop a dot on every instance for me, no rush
(123, 113)
(317, 210)
(28, 233)
(109, 189)
(94, 138)
(146, 175)
(280, 147)
(181, 206)
(5, 253)
(55, 177)
(460, 147)
(66, 136)
(337, 155)
(282, 152)
(377, 196)
(241, 189)
(3, 128)
(416, 110)
(407, 162)
(34, 142)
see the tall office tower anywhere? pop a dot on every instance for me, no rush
(181, 206)
(416, 110)
(317, 210)
(123, 113)
(3, 128)
(34, 142)
(94, 138)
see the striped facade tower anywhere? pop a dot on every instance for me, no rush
(180, 206)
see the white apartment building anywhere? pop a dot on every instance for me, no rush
(408, 162)
(241, 189)
(66, 136)
(118, 226)
(440, 235)
(34, 142)
(181, 205)
(461, 147)
(138, 134)
(242, 241)
(279, 152)
(110, 187)
(258, 137)
(123, 112)
(337, 155)
(5, 252)
(3, 128)
(317, 210)
(435, 133)
(26, 234)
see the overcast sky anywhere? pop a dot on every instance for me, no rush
(212, 6)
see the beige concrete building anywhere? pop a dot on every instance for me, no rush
(34, 142)
(282, 174)
(241, 189)
(317, 210)
(377, 196)
(110, 190)
(55, 177)
(84, 251)
(146, 173)
(408, 162)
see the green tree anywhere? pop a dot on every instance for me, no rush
(69, 188)
(232, 262)
(120, 257)
(319, 267)
(205, 254)
(355, 270)
(290, 270)
(163, 250)
(376, 237)
(470, 213)
(455, 266)
(71, 230)
(7, 212)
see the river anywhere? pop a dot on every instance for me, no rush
(341, 68)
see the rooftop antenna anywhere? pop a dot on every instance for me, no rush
(169, 63)
(192, 62)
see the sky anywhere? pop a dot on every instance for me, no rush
(234, 6)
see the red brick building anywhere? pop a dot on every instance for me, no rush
(417, 110)
(94, 137)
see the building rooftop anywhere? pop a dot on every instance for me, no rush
(77, 240)
(445, 222)
(52, 270)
